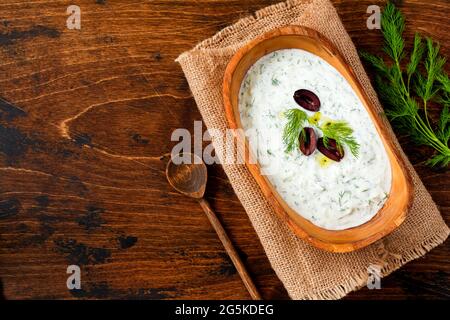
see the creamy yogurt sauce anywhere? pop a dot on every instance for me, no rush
(342, 195)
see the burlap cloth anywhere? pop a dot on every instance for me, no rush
(306, 272)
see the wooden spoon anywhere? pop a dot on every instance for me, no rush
(190, 180)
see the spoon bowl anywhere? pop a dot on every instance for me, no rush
(187, 174)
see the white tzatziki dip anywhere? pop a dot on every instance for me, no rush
(340, 195)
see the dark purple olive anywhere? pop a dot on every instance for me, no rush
(307, 141)
(332, 151)
(307, 99)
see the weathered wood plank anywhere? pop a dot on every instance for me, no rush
(85, 121)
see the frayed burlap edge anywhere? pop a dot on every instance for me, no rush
(390, 264)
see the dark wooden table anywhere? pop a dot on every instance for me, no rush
(85, 123)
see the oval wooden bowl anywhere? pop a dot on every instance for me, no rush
(394, 211)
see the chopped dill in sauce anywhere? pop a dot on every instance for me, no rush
(332, 195)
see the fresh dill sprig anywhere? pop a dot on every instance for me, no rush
(392, 26)
(416, 57)
(407, 92)
(444, 119)
(294, 127)
(342, 133)
(337, 130)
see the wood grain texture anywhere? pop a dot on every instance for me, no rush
(231, 250)
(85, 124)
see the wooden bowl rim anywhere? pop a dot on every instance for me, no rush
(396, 220)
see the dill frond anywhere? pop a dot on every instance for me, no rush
(342, 133)
(392, 27)
(406, 102)
(377, 62)
(294, 127)
(433, 65)
(444, 125)
(416, 57)
(445, 82)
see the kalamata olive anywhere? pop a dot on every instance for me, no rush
(332, 150)
(307, 141)
(307, 99)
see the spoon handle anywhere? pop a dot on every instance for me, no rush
(240, 267)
